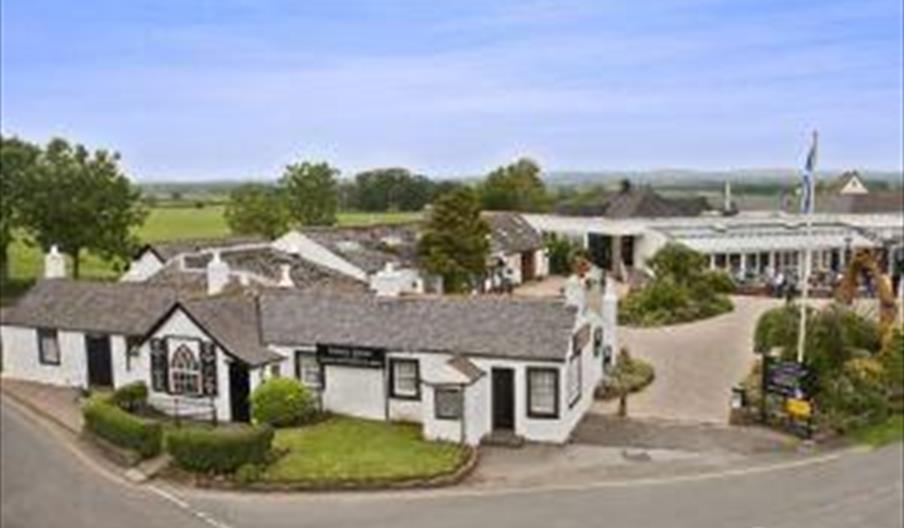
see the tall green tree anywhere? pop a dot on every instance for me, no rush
(393, 188)
(455, 242)
(312, 192)
(81, 200)
(515, 187)
(18, 163)
(257, 209)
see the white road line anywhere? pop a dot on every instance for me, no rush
(181, 504)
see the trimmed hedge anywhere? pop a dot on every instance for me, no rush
(123, 429)
(130, 397)
(220, 449)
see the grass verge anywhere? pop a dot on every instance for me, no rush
(891, 430)
(343, 449)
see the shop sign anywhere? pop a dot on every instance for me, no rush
(351, 356)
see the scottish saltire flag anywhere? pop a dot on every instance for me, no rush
(807, 178)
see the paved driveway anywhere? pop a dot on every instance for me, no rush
(696, 364)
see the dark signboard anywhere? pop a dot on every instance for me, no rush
(787, 378)
(351, 356)
(580, 339)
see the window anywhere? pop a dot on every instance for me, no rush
(307, 369)
(185, 372)
(48, 347)
(405, 379)
(274, 370)
(543, 392)
(133, 344)
(597, 342)
(447, 403)
(573, 379)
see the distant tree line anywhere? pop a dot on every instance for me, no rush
(63, 194)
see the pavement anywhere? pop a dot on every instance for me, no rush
(47, 484)
(60, 404)
(696, 364)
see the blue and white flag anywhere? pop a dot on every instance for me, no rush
(807, 179)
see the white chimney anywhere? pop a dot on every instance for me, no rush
(285, 276)
(217, 274)
(727, 206)
(575, 294)
(54, 264)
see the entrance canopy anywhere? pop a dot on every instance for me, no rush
(764, 237)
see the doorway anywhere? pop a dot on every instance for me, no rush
(503, 396)
(239, 385)
(527, 266)
(100, 360)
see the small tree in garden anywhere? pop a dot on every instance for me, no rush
(312, 192)
(281, 402)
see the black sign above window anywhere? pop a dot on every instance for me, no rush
(351, 356)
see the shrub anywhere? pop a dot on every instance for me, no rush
(130, 397)
(856, 396)
(892, 359)
(248, 473)
(220, 449)
(121, 428)
(629, 375)
(281, 402)
(718, 281)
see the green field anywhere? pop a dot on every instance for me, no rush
(164, 223)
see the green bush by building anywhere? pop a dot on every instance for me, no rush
(282, 402)
(220, 449)
(121, 428)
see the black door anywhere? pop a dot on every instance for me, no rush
(503, 399)
(100, 361)
(238, 392)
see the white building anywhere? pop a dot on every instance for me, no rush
(464, 367)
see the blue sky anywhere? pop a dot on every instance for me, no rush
(238, 88)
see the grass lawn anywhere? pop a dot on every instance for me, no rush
(891, 430)
(163, 223)
(342, 449)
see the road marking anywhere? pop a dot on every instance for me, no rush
(181, 504)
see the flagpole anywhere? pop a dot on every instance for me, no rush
(808, 251)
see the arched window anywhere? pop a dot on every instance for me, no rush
(185, 372)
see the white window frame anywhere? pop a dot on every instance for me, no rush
(537, 392)
(400, 378)
(308, 369)
(49, 340)
(181, 376)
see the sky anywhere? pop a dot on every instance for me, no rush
(236, 89)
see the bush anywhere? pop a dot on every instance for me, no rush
(718, 281)
(281, 402)
(121, 428)
(220, 449)
(248, 473)
(629, 375)
(130, 397)
(856, 397)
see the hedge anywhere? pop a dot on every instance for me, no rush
(131, 397)
(220, 449)
(123, 429)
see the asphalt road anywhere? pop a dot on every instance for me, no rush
(45, 485)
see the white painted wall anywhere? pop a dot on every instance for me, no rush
(395, 282)
(21, 361)
(541, 262)
(355, 391)
(177, 330)
(142, 268)
(297, 243)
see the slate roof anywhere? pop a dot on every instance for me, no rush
(481, 326)
(510, 233)
(265, 262)
(91, 306)
(232, 320)
(370, 247)
(644, 202)
(466, 368)
(169, 249)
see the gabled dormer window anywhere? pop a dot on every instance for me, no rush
(185, 372)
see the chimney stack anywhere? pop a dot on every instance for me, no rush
(54, 264)
(575, 294)
(217, 274)
(285, 276)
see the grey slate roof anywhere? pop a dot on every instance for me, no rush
(874, 202)
(644, 202)
(233, 321)
(466, 367)
(510, 233)
(91, 306)
(169, 249)
(482, 326)
(370, 247)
